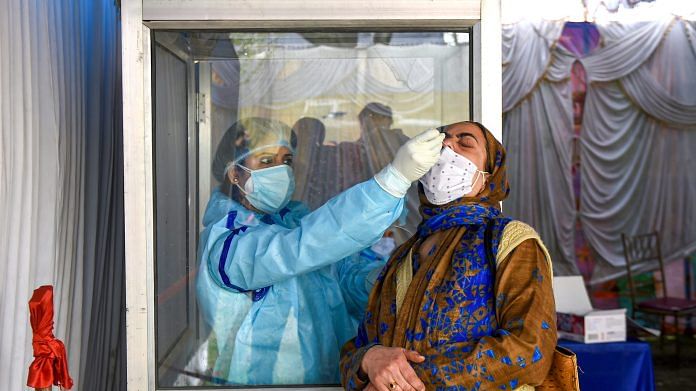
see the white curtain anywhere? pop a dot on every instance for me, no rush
(49, 85)
(537, 133)
(637, 141)
(41, 115)
(292, 75)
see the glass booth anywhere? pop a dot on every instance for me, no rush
(341, 96)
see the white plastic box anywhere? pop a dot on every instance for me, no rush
(578, 321)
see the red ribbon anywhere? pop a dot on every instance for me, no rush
(50, 365)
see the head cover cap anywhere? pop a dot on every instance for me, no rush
(247, 136)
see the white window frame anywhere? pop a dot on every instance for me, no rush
(138, 17)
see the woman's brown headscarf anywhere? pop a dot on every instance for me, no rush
(495, 190)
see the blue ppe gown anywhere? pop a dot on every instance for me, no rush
(284, 292)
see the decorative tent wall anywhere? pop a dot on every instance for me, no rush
(634, 147)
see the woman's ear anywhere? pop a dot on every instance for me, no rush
(232, 175)
(483, 182)
(237, 176)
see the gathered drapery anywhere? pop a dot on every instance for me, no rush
(41, 116)
(635, 144)
(103, 345)
(637, 141)
(60, 175)
(537, 133)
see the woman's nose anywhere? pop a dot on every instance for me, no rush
(448, 142)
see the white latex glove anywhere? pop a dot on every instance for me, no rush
(418, 154)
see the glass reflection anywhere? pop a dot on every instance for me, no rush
(288, 246)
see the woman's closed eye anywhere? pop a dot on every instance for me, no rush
(467, 141)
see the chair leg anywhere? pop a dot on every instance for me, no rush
(676, 340)
(662, 333)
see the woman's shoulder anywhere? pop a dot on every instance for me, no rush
(219, 206)
(515, 230)
(514, 234)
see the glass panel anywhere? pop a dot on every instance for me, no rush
(173, 255)
(252, 289)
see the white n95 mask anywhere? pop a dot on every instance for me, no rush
(450, 178)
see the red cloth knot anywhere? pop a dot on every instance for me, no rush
(50, 365)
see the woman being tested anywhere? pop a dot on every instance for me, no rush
(466, 303)
(281, 287)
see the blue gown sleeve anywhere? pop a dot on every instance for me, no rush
(248, 257)
(357, 276)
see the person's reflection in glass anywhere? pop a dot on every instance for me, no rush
(283, 288)
(378, 144)
(308, 168)
(377, 137)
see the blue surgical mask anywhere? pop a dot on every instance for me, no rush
(269, 189)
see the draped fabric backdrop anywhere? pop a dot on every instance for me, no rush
(638, 139)
(636, 142)
(538, 135)
(60, 185)
(103, 345)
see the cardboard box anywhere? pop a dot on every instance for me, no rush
(578, 321)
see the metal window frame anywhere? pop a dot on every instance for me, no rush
(139, 17)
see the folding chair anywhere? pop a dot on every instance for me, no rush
(646, 247)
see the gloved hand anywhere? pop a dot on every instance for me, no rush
(417, 155)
